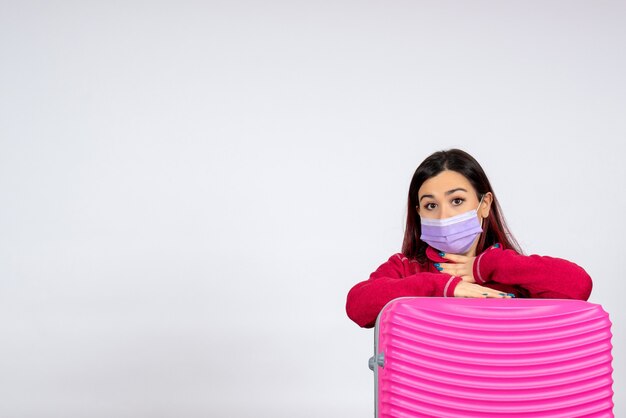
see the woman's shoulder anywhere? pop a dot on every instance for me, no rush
(399, 265)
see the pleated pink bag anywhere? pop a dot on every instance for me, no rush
(479, 358)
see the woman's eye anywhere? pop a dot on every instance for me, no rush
(430, 206)
(457, 201)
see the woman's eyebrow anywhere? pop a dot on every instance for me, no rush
(455, 190)
(427, 195)
(449, 192)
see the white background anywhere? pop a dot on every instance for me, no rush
(188, 190)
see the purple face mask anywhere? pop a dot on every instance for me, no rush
(452, 235)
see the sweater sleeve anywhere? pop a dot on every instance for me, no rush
(543, 276)
(390, 281)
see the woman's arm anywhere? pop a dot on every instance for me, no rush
(393, 279)
(542, 276)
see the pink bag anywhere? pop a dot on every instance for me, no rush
(514, 358)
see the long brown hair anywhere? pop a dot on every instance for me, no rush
(494, 231)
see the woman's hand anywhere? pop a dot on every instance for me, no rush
(462, 267)
(473, 290)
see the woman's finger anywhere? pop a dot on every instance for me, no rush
(487, 292)
(457, 258)
(454, 269)
(472, 290)
(491, 293)
(448, 267)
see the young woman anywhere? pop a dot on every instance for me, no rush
(457, 244)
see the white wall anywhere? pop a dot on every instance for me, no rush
(189, 189)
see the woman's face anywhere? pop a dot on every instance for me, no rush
(447, 194)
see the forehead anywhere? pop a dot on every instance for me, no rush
(444, 181)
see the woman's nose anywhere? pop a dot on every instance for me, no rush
(444, 213)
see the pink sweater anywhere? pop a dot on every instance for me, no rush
(531, 276)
